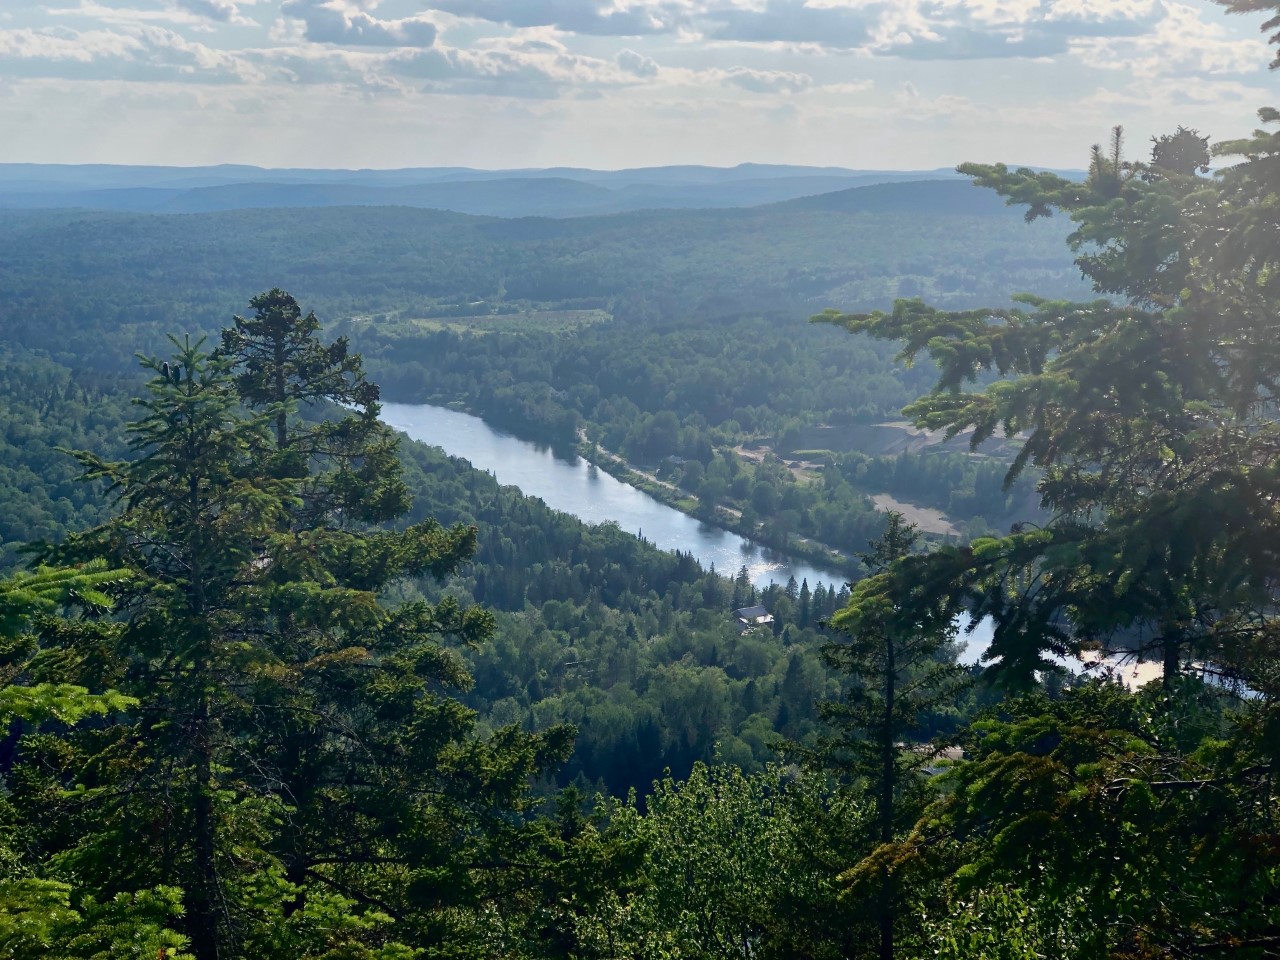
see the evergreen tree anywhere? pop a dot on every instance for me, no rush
(1184, 153)
(196, 516)
(349, 468)
(281, 363)
(1116, 824)
(899, 668)
(743, 591)
(1102, 815)
(1143, 417)
(296, 765)
(36, 912)
(27, 602)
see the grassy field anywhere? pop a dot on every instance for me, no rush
(529, 321)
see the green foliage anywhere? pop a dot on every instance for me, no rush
(37, 921)
(697, 299)
(47, 408)
(93, 288)
(64, 702)
(1104, 823)
(1148, 419)
(1122, 825)
(677, 402)
(294, 745)
(729, 871)
(663, 655)
(349, 467)
(897, 659)
(32, 596)
(999, 924)
(899, 673)
(41, 591)
(1184, 153)
(291, 757)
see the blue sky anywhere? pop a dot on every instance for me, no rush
(614, 83)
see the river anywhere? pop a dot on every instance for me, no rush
(575, 487)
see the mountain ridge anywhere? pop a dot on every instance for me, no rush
(554, 192)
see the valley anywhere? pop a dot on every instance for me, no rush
(664, 564)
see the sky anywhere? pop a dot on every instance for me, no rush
(869, 84)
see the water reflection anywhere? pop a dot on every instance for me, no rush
(571, 485)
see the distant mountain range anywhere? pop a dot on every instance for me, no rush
(554, 192)
(918, 197)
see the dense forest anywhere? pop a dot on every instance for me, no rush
(608, 324)
(73, 276)
(681, 403)
(278, 683)
(655, 625)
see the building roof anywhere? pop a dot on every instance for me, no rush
(751, 613)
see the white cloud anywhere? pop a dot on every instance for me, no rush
(597, 17)
(1004, 29)
(766, 81)
(836, 25)
(175, 12)
(635, 63)
(221, 10)
(66, 45)
(139, 53)
(917, 29)
(1103, 9)
(916, 108)
(664, 78)
(338, 22)
(311, 65)
(519, 68)
(1181, 44)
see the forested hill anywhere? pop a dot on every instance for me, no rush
(101, 176)
(117, 280)
(514, 197)
(560, 197)
(923, 198)
(284, 686)
(558, 192)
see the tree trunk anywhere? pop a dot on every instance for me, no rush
(1171, 645)
(888, 776)
(296, 874)
(203, 909)
(203, 899)
(294, 855)
(886, 916)
(282, 420)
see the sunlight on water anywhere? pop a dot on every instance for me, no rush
(572, 486)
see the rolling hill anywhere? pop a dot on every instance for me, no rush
(556, 192)
(70, 274)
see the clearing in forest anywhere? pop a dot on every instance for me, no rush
(926, 519)
(526, 321)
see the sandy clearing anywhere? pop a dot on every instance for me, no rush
(927, 519)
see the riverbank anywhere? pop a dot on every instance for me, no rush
(721, 517)
(726, 518)
(573, 485)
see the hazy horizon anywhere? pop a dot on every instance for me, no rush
(500, 84)
(511, 170)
